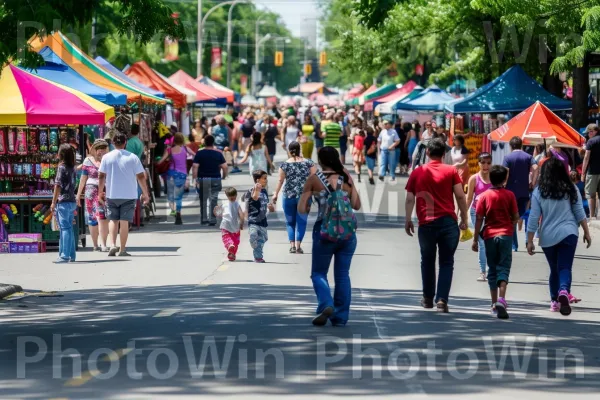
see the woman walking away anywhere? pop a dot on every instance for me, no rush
(370, 146)
(478, 184)
(258, 154)
(95, 213)
(358, 152)
(295, 172)
(412, 141)
(334, 235)
(290, 132)
(64, 205)
(307, 139)
(271, 134)
(459, 156)
(558, 203)
(177, 174)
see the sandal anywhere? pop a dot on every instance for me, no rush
(299, 251)
(292, 250)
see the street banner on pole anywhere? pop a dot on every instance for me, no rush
(171, 49)
(215, 64)
(243, 84)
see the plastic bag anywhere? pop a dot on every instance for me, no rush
(466, 235)
(54, 223)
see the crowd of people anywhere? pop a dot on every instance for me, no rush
(546, 190)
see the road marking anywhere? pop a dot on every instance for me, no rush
(88, 375)
(223, 267)
(167, 312)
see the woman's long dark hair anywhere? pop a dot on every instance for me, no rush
(329, 157)
(294, 149)
(555, 183)
(66, 155)
(256, 139)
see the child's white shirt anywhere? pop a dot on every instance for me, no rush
(231, 216)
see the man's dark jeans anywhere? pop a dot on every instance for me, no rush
(208, 189)
(442, 234)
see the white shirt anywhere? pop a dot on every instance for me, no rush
(121, 168)
(387, 137)
(231, 216)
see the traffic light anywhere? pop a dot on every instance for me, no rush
(323, 59)
(308, 68)
(279, 58)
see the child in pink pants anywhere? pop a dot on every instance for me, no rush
(232, 222)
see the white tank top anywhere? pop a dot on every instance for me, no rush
(291, 135)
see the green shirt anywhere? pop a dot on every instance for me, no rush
(333, 131)
(135, 146)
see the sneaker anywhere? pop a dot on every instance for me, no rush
(113, 251)
(381, 178)
(259, 260)
(554, 306)
(124, 254)
(501, 307)
(104, 249)
(173, 213)
(371, 181)
(573, 299)
(299, 251)
(97, 249)
(426, 303)
(212, 224)
(442, 306)
(494, 310)
(321, 319)
(565, 306)
(235, 170)
(231, 257)
(60, 261)
(482, 277)
(178, 220)
(292, 250)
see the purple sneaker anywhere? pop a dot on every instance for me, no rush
(554, 307)
(501, 307)
(563, 299)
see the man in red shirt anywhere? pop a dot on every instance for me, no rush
(433, 187)
(498, 206)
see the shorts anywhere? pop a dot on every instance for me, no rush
(371, 163)
(120, 210)
(592, 183)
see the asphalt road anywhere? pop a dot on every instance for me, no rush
(177, 321)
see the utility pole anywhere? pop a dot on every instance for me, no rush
(229, 34)
(201, 32)
(199, 39)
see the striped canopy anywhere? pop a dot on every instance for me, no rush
(30, 100)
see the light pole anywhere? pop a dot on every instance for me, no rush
(256, 61)
(201, 31)
(256, 51)
(229, 33)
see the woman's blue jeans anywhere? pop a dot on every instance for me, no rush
(560, 258)
(295, 222)
(176, 188)
(388, 159)
(342, 253)
(68, 243)
(481, 252)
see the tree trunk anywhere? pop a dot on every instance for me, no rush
(551, 83)
(581, 90)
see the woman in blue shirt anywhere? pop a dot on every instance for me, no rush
(557, 202)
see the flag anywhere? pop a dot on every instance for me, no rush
(243, 84)
(215, 64)
(171, 49)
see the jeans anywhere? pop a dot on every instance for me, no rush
(322, 253)
(388, 159)
(398, 154)
(560, 257)
(175, 188)
(258, 237)
(442, 234)
(67, 244)
(522, 207)
(295, 222)
(499, 256)
(481, 252)
(209, 189)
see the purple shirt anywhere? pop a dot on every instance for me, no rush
(519, 163)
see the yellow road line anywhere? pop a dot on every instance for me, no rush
(223, 267)
(88, 375)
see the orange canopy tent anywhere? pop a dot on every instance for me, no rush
(142, 73)
(538, 125)
(203, 92)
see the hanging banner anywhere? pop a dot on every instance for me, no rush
(243, 84)
(171, 49)
(215, 64)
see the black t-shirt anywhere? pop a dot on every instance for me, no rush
(210, 162)
(593, 146)
(248, 128)
(369, 140)
(270, 136)
(257, 209)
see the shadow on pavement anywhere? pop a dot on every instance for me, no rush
(231, 335)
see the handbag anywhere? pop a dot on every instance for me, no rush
(54, 223)
(163, 166)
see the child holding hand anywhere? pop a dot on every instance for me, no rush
(257, 207)
(232, 222)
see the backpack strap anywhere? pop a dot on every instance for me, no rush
(325, 182)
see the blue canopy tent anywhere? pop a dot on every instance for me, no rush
(431, 99)
(513, 91)
(57, 71)
(119, 74)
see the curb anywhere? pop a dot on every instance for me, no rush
(7, 289)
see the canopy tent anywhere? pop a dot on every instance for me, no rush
(538, 124)
(431, 99)
(55, 70)
(400, 91)
(268, 91)
(119, 74)
(354, 92)
(141, 72)
(382, 91)
(513, 91)
(361, 99)
(387, 104)
(207, 81)
(310, 88)
(89, 69)
(30, 100)
(249, 100)
(203, 92)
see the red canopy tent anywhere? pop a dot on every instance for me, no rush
(203, 92)
(538, 125)
(142, 73)
(399, 93)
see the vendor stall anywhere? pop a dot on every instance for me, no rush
(36, 117)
